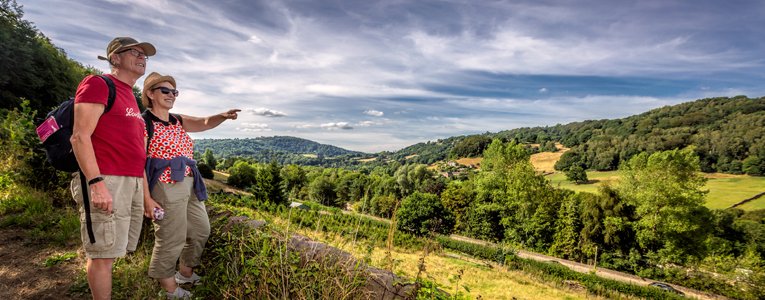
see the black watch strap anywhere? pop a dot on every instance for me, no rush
(96, 179)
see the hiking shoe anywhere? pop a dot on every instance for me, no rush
(194, 279)
(178, 294)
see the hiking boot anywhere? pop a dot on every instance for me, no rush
(179, 293)
(194, 279)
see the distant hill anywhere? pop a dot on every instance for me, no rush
(283, 149)
(728, 133)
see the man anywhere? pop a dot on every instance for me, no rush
(111, 153)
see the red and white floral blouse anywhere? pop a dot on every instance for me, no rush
(169, 141)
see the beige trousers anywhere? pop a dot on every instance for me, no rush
(182, 233)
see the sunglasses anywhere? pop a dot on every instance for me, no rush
(135, 53)
(166, 91)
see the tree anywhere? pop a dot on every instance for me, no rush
(209, 159)
(293, 179)
(457, 197)
(577, 174)
(322, 190)
(423, 214)
(242, 175)
(666, 190)
(753, 165)
(205, 171)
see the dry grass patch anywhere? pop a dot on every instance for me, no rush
(545, 161)
(467, 161)
(410, 156)
(367, 159)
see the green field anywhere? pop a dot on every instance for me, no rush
(724, 190)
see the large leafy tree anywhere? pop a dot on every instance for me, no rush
(457, 198)
(424, 214)
(666, 190)
(293, 180)
(528, 204)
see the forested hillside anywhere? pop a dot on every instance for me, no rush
(728, 135)
(282, 149)
(31, 67)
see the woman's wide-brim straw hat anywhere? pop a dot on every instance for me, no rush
(153, 79)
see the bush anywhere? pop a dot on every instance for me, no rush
(423, 214)
(206, 171)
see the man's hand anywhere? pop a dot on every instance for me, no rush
(100, 197)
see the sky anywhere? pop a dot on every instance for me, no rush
(382, 75)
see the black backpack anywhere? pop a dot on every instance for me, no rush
(56, 131)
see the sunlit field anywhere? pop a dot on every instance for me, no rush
(724, 190)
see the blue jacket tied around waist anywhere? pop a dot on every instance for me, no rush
(156, 166)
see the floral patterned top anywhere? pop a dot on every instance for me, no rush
(170, 140)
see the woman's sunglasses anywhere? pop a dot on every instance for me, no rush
(166, 91)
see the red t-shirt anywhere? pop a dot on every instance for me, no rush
(118, 140)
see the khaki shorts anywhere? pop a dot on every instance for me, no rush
(118, 232)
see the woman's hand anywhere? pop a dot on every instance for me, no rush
(231, 114)
(148, 207)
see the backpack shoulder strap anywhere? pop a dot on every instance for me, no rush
(112, 92)
(177, 117)
(149, 127)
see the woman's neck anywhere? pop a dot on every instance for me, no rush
(161, 113)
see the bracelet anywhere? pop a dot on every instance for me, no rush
(95, 180)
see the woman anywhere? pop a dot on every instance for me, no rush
(183, 230)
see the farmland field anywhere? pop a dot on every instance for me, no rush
(724, 190)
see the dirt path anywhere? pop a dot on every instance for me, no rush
(23, 275)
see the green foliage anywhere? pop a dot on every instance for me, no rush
(665, 189)
(457, 199)
(423, 214)
(206, 171)
(470, 146)
(753, 165)
(322, 190)
(282, 149)
(725, 132)
(577, 174)
(487, 252)
(32, 210)
(242, 175)
(59, 258)
(246, 264)
(209, 159)
(293, 179)
(32, 67)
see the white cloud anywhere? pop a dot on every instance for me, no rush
(253, 127)
(366, 123)
(337, 125)
(265, 112)
(375, 113)
(543, 90)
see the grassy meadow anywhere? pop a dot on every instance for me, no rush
(725, 190)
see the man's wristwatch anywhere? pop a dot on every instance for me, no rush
(95, 180)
